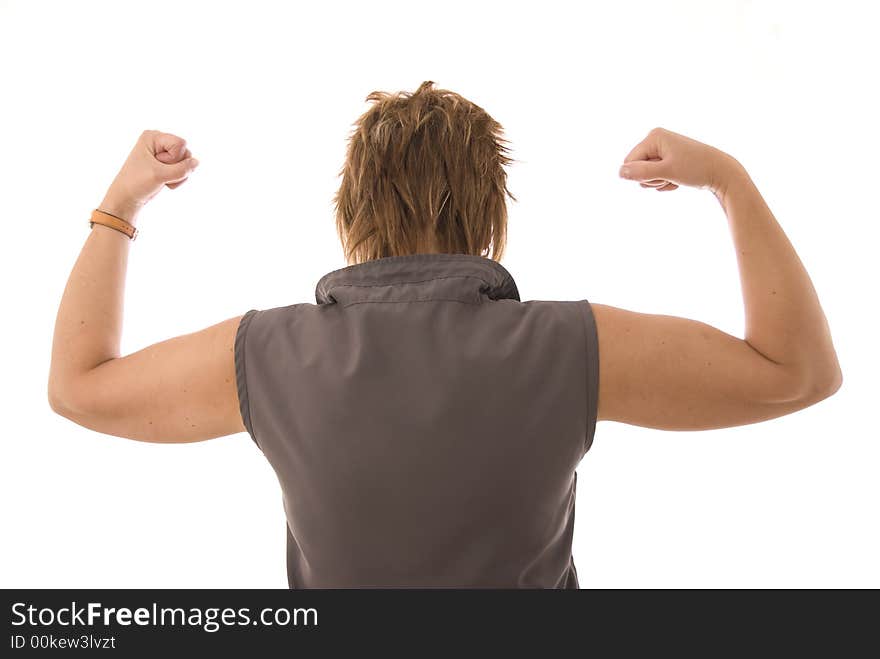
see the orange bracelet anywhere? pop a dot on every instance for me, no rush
(108, 220)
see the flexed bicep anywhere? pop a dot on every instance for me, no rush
(674, 373)
(179, 390)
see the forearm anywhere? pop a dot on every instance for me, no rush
(88, 326)
(783, 317)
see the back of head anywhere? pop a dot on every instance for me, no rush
(424, 172)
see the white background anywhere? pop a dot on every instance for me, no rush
(265, 95)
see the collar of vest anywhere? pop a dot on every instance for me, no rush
(418, 277)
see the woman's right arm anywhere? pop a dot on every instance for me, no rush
(674, 373)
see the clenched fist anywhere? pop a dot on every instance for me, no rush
(664, 160)
(157, 159)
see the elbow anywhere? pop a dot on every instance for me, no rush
(54, 392)
(57, 403)
(823, 386)
(72, 399)
(60, 401)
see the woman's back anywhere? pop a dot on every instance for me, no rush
(424, 424)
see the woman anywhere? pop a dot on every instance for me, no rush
(425, 424)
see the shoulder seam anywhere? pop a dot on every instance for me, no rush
(241, 373)
(591, 344)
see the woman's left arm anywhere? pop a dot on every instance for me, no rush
(179, 390)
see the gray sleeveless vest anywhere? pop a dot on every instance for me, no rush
(424, 424)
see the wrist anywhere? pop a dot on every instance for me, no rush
(120, 207)
(729, 174)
